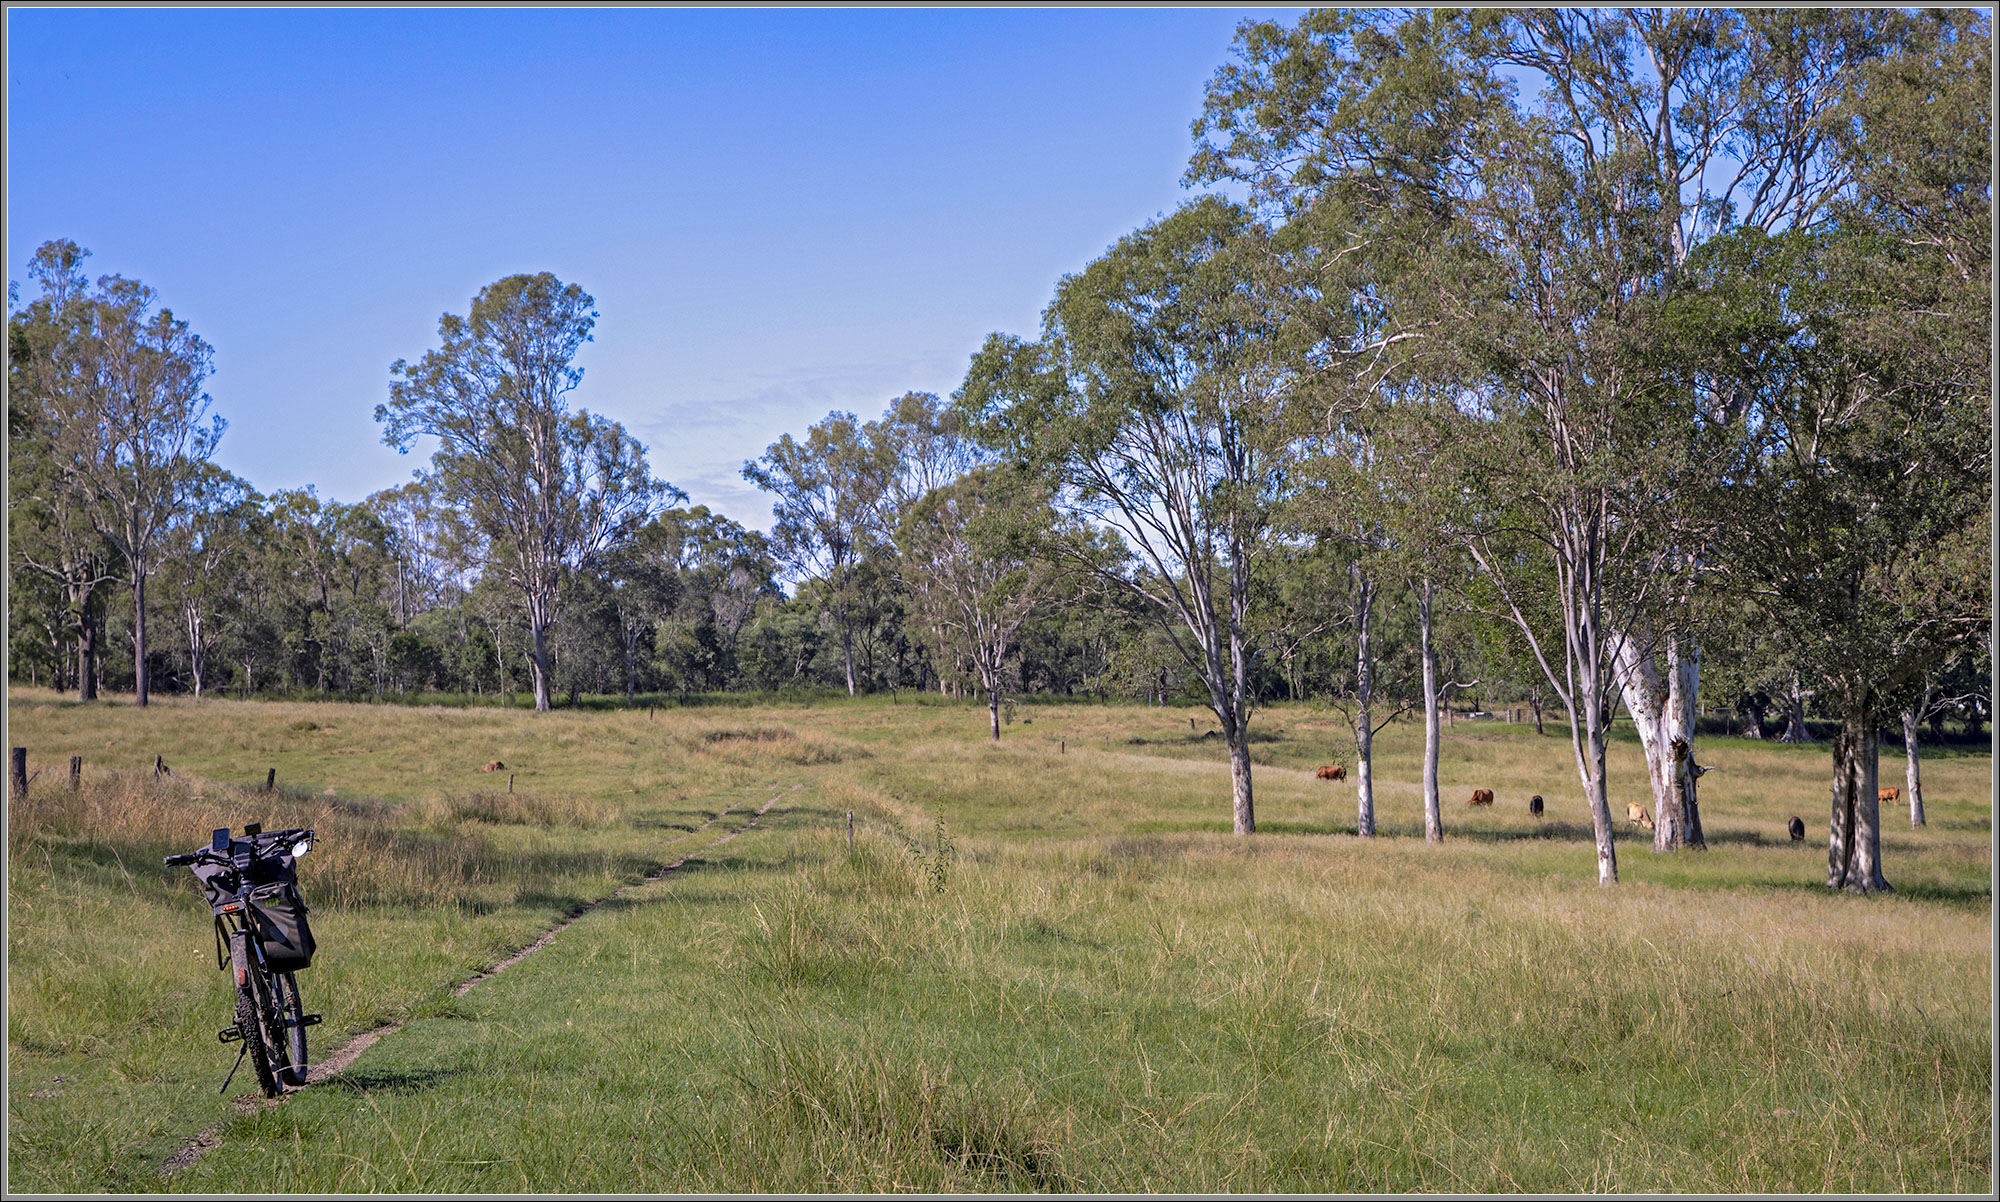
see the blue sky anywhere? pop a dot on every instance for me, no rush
(779, 212)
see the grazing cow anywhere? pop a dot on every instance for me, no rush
(1331, 772)
(1888, 796)
(1798, 829)
(495, 766)
(1636, 815)
(1535, 805)
(1481, 797)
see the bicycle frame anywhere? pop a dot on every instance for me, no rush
(277, 1009)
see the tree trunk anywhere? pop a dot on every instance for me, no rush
(847, 653)
(1912, 778)
(993, 702)
(86, 647)
(1364, 691)
(1796, 730)
(1750, 718)
(1239, 776)
(197, 646)
(1588, 743)
(1596, 789)
(139, 634)
(1854, 848)
(538, 631)
(1433, 811)
(1663, 714)
(631, 640)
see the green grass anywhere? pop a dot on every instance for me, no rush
(1091, 987)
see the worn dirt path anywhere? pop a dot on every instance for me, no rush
(338, 1061)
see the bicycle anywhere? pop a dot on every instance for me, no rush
(261, 932)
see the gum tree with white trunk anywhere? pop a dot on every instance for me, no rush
(1153, 405)
(546, 489)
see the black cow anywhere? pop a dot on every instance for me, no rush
(1798, 829)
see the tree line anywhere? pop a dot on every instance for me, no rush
(1579, 359)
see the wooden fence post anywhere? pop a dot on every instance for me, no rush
(271, 780)
(510, 782)
(159, 767)
(850, 832)
(75, 773)
(18, 774)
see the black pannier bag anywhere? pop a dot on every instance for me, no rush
(281, 926)
(278, 911)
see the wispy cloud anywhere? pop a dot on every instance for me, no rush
(701, 443)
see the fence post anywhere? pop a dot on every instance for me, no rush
(1062, 747)
(159, 767)
(850, 832)
(18, 774)
(75, 773)
(510, 782)
(271, 780)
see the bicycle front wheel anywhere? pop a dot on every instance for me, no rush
(253, 1012)
(292, 1019)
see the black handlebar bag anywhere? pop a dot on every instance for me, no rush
(277, 910)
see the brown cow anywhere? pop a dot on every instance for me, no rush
(1481, 797)
(1888, 796)
(495, 766)
(1331, 772)
(1637, 815)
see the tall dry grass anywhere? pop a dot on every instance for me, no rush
(436, 852)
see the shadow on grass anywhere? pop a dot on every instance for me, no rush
(1209, 737)
(394, 1081)
(1547, 832)
(1970, 897)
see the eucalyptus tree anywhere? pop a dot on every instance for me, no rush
(830, 492)
(205, 547)
(547, 490)
(1338, 499)
(424, 545)
(338, 558)
(930, 445)
(1154, 405)
(1536, 238)
(724, 570)
(1871, 557)
(1870, 461)
(50, 532)
(972, 552)
(1421, 507)
(117, 386)
(643, 577)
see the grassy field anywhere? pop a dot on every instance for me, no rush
(1045, 965)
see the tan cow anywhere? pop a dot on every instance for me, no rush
(1332, 772)
(1637, 815)
(1888, 796)
(495, 766)
(1481, 797)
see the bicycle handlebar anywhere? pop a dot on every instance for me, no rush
(261, 843)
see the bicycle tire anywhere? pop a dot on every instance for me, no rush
(291, 1013)
(252, 1011)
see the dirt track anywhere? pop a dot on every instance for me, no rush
(338, 1061)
